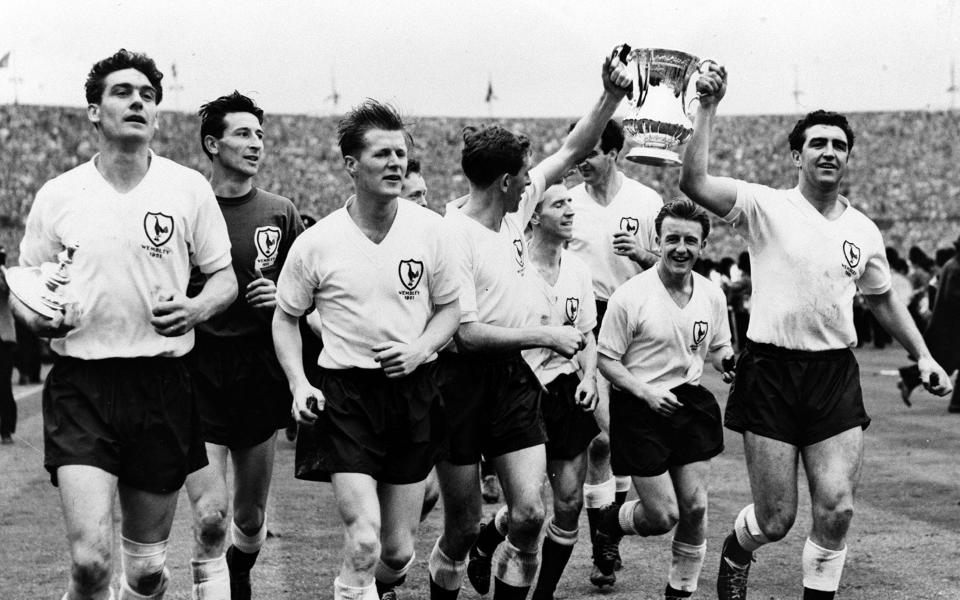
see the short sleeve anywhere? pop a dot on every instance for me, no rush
(210, 242)
(587, 316)
(297, 282)
(721, 330)
(39, 244)
(615, 329)
(875, 278)
(445, 280)
(464, 267)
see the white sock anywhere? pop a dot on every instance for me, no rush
(384, 573)
(444, 571)
(625, 517)
(211, 579)
(248, 544)
(623, 483)
(822, 567)
(749, 535)
(559, 536)
(685, 565)
(515, 567)
(341, 591)
(600, 494)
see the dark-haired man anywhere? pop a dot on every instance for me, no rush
(414, 185)
(387, 293)
(661, 327)
(614, 235)
(797, 390)
(119, 414)
(492, 397)
(240, 388)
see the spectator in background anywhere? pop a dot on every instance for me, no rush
(8, 340)
(921, 272)
(943, 332)
(27, 357)
(739, 299)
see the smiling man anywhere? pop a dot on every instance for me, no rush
(118, 409)
(661, 327)
(387, 292)
(797, 390)
(614, 236)
(241, 391)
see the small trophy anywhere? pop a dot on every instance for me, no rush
(659, 122)
(42, 288)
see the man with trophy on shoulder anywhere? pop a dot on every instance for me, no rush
(118, 408)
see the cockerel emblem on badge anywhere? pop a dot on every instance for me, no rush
(852, 253)
(571, 308)
(158, 227)
(699, 332)
(267, 240)
(629, 224)
(410, 273)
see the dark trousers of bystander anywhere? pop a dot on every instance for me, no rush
(8, 406)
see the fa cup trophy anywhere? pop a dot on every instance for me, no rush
(659, 121)
(43, 288)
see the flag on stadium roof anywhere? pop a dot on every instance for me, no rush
(490, 96)
(5, 60)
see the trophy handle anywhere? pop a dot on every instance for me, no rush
(699, 71)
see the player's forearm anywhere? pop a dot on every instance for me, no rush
(289, 347)
(482, 337)
(441, 327)
(618, 376)
(716, 194)
(645, 258)
(585, 134)
(588, 356)
(218, 292)
(894, 318)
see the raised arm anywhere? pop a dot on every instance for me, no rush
(716, 194)
(583, 137)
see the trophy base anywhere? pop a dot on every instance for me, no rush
(654, 157)
(25, 284)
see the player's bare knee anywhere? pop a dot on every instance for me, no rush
(363, 550)
(834, 516)
(599, 449)
(660, 520)
(90, 570)
(250, 520)
(210, 529)
(526, 519)
(776, 526)
(566, 509)
(694, 511)
(397, 558)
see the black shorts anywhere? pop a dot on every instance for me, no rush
(389, 429)
(240, 388)
(492, 406)
(570, 429)
(644, 443)
(132, 417)
(795, 396)
(601, 311)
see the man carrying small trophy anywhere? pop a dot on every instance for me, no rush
(118, 409)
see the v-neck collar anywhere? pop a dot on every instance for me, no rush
(673, 302)
(151, 163)
(359, 232)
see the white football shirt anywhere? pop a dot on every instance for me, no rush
(806, 268)
(131, 246)
(660, 343)
(634, 209)
(368, 293)
(569, 301)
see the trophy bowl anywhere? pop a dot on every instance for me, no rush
(659, 122)
(42, 289)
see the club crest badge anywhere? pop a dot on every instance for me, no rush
(158, 227)
(267, 240)
(518, 246)
(852, 253)
(699, 333)
(630, 225)
(410, 271)
(571, 309)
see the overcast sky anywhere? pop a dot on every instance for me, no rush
(434, 57)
